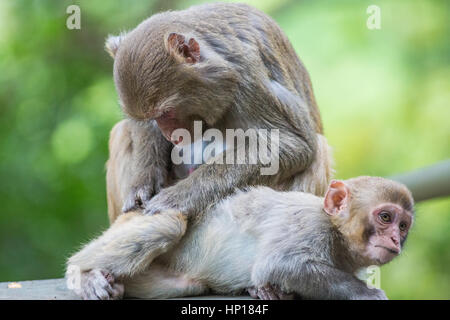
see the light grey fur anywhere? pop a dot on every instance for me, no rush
(116, 250)
(248, 76)
(251, 239)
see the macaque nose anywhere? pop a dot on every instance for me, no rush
(395, 240)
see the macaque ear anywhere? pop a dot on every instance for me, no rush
(336, 198)
(182, 50)
(112, 44)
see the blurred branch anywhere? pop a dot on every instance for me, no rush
(427, 183)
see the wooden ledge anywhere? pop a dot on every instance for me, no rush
(56, 289)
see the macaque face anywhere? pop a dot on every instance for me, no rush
(374, 214)
(146, 96)
(167, 77)
(391, 224)
(168, 123)
(156, 77)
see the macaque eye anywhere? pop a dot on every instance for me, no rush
(403, 226)
(385, 216)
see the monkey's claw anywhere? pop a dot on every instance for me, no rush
(138, 197)
(269, 292)
(97, 284)
(158, 204)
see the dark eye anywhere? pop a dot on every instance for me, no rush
(403, 226)
(385, 216)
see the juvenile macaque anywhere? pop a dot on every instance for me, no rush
(227, 65)
(271, 243)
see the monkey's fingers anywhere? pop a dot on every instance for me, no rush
(159, 203)
(115, 289)
(118, 290)
(269, 292)
(266, 292)
(132, 204)
(95, 286)
(253, 292)
(138, 197)
(99, 285)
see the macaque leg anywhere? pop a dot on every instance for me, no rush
(137, 166)
(117, 171)
(124, 250)
(313, 280)
(330, 283)
(159, 283)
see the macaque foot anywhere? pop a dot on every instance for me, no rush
(95, 284)
(269, 292)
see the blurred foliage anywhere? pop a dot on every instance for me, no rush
(383, 95)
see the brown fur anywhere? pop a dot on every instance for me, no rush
(228, 65)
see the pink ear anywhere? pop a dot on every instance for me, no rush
(183, 51)
(336, 197)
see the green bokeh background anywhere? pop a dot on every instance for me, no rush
(384, 97)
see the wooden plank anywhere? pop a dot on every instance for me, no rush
(53, 289)
(56, 289)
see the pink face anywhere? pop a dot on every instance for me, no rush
(168, 123)
(391, 225)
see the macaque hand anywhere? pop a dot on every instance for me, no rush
(144, 190)
(269, 292)
(95, 284)
(163, 201)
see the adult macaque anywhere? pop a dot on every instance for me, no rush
(270, 243)
(228, 66)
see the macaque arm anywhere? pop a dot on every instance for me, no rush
(298, 138)
(327, 282)
(204, 187)
(297, 145)
(313, 280)
(130, 244)
(137, 168)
